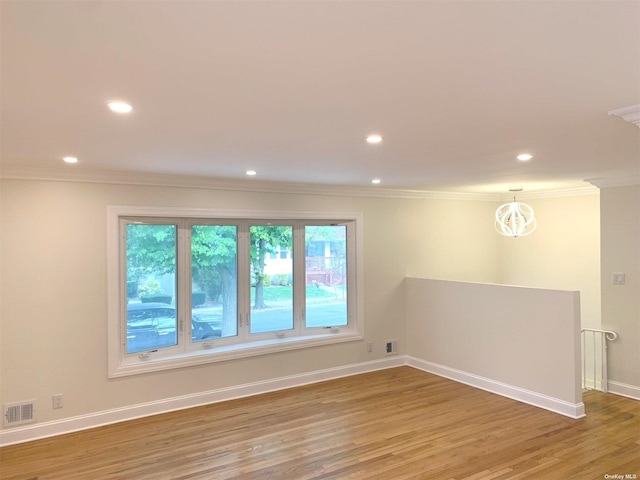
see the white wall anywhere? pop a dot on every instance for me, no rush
(521, 340)
(562, 254)
(620, 215)
(54, 302)
(453, 240)
(53, 284)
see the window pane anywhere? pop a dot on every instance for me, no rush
(151, 286)
(326, 275)
(271, 278)
(214, 299)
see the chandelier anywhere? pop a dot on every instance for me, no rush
(515, 219)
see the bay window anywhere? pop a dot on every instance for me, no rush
(187, 288)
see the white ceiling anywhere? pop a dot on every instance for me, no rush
(292, 88)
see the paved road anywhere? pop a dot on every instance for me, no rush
(278, 318)
(267, 320)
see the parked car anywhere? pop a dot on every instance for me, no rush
(153, 325)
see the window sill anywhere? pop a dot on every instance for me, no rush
(134, 366)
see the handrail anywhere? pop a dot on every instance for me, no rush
(604, 336)
(611, 335)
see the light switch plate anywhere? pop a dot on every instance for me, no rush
(618, 278)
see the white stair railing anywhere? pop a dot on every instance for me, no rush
(594, 358)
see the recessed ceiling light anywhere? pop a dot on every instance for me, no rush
(70, 160)
(374, 138)
(120, 107)
(251, 172)
(376, 181)
(524, 157)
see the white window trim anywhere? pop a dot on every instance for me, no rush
(118, 363)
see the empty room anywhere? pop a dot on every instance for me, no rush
(319, 240)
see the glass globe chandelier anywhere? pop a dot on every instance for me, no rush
(515, 219)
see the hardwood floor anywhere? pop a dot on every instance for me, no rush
(393, 424)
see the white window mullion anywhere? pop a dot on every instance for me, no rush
(299, 280)
(183, 269)
(244, 282)
(352, 276)
(122, 304)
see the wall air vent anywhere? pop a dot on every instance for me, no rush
(19, 413)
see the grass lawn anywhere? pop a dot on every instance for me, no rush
(280, 293)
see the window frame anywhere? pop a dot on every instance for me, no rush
(190, 353)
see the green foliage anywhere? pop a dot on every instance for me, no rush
(213, 245)
(132, 289)
(151, 249)
(198, 298)
(265, 239)
(150, 286)
(282, 293)
(213, 255)
(335, 233)
(160, 298)
(281, 279)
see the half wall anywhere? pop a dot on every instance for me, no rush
(519, 342)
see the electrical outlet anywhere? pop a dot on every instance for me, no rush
(57, 400)
(369, 347)
(391, 347)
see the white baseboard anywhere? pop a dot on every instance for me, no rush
(83, 422)
(624, 389)
(573, 410)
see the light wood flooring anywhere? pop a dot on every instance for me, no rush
(394, 424)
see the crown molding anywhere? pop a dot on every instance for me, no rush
(557, 193)
(114, 177)
(628, 114)
(214, 183)
(621, 181)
